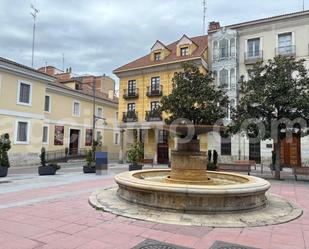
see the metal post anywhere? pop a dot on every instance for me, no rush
(93, 110)
(34, 14)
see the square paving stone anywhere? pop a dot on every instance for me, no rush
(154, 244)
(226, 245)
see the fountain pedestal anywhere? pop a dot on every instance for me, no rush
(188, 164)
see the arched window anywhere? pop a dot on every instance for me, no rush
(232, 78)
(224, 78)
(215, 50)
(224, 49)
(233, 47)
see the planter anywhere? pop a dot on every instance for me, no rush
(3, 171)
(88, 169)
(46, 170)
(135, 167)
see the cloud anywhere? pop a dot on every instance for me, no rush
(99, 36)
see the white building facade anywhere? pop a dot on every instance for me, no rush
(233, 50)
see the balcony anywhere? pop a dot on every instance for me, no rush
(153, 115)
(253, 57)
(154, 92)
(130, 94)
(130, 116)
(286, 50)
(224, 55)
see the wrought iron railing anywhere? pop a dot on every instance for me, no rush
(286, 50)
(154, 92)
(64, 155)
(130, 116)
(153, 115)
(252, 57)
(130, 93)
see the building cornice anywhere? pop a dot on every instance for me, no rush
(24, 72)
(160, 67)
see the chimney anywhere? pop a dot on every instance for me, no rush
(110, 94)
(213, 26)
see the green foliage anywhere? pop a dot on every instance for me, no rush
(5, 146)
(194, 97)
(136, 153)
(43, 156)
(90, 158)
(278, 89)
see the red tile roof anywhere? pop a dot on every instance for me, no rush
(200, 41)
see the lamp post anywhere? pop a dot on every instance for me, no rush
(34, 14)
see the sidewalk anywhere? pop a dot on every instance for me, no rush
(53, 212)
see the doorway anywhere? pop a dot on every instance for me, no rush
(162, 148)
(255, 151)
(290, 152)
(74, 141)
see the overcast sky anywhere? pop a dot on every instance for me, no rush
(97, 36)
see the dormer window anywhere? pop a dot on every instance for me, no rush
(157, 56)
(184, 51)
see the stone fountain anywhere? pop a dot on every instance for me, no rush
(188, 187)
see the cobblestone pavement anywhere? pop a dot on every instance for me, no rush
(53, 212)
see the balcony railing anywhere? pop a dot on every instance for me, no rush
(153, 115)
(253, 57)
(130, 116)
(154, 92)
(224, 55)
(286, 50)
(130, 93)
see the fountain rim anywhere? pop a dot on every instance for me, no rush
(253, 184)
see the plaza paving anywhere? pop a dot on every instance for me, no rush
(53, 212)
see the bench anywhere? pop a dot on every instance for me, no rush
(300, 171)
(147, 161)
(235, 167)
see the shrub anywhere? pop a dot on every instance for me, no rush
(90, 158)
(43, 156)
(5, 146)
(135, 153)
(209, 155)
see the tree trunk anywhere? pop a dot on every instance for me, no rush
(278, 159)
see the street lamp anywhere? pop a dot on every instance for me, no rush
(240, 82)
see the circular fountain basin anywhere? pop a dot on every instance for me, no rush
(228, 192)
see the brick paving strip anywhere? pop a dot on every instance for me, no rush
(66, 220)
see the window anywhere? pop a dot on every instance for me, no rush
(76, 109)
(224, 78)
(22, 132)
(131, 107)
(154, 105)
(233, 47)
(155, 83)
(100, 112)
(226, 146)
(253, 46)
(99, 136)
(285, 43)
(131, 86)
(157, 56)
(215, 50)
(163, 136)
(116, 138)
(24, 93)
(233, 78)
(224, 49)
(45, 135)
(88, 137)
(47, 103)
(184, 51)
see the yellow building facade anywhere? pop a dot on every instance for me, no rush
(37, 112)
(143, 82)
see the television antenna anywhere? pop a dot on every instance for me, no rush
(204, 16)
(33, 13)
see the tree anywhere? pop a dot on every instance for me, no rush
(274, 102)
(194, 97)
